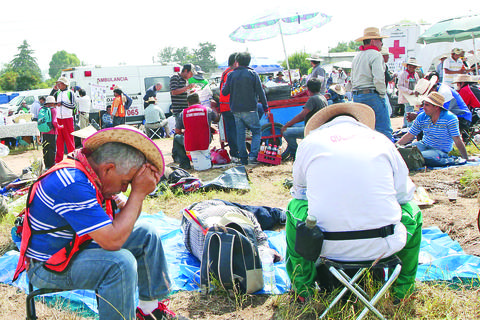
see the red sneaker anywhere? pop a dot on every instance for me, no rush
(160, 313)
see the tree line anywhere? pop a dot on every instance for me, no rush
(23, 72)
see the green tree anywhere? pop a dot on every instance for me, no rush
(166, 55)
(8, 80)
(298, 60)
(204, 56)
(351, 46)
(183, 55)
(62, 60)
(25, 65)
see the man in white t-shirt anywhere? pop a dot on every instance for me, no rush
(84, 104)
(356, 184)
(452, 66)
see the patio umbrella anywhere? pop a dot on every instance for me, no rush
(279, 23)
(453, 30)
(260, 65)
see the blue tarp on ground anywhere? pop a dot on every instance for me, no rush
(442, 259)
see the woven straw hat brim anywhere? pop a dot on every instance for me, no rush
(131, 136)
(359, 111)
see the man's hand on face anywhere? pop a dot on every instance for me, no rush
(146, 179)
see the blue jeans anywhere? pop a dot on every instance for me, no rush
(291, 135)
(382, 119)
(434, 157)
(114, 273)
(231, 132)
(244, 121)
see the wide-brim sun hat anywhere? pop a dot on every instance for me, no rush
(463, 78)
(361, 112)
(338, 88)
(85, 132)
(412, 62)
(436, 99)
(128, 135)
(315, 57)
(423, 88)
(371, 33)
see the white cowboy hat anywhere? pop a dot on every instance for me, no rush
(371, 33)
(423, 88)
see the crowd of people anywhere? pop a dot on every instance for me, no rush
(347, 172)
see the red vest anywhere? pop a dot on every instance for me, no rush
(197, 129)
(59, 261)
(224, 100)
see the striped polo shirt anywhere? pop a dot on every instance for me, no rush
(179, 101)
(439, 135)
(63, 198)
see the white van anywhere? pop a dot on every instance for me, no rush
(133, 80)
(29, 97)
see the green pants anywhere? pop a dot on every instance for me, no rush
(303, 273)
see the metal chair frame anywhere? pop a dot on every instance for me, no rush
(337, 268)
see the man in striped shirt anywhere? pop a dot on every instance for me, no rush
(179, 88)
(440, 130)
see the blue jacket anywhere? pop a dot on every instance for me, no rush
(151, 92)
(245, 89)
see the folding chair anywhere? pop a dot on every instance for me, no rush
(154, 133)
(337, 269)
(30, 300)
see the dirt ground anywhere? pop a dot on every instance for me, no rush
(458, 219)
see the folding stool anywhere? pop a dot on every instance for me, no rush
(30, 300)
(337, 269)
(154, 133)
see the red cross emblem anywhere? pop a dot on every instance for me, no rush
(396, 50)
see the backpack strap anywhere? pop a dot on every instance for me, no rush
(209, 263)
(225, 268)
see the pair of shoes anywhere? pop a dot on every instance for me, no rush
(160, 313)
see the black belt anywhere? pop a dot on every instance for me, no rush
(364, 91)
(382, 232)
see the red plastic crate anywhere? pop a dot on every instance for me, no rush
(275, 160)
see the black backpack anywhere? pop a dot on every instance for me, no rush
(230, 255)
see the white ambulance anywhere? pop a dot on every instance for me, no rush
(133, 80)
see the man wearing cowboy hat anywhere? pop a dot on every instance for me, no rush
(468, 91)
(335, 94)
(453, 102)
(279, 78)
(368, 79)
(407, 80)
(452, 66)
(76, 199)
(155, 118)
(318, 72)
(440, 131)
(341, 158)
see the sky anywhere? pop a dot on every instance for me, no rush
(133, 32)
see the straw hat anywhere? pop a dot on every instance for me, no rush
(131, 136)
(457, 51)
(315, 57)
(359, 111)
(151, 99)
(371, 33)
(338, 88)
(423, 87)
(412, 62)
(436, 99)
(463, 78)
(384, 51)
(85, 132)
(64, 81)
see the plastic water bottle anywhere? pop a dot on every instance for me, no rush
(269, 150)
(266, 257)
(309, 239)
